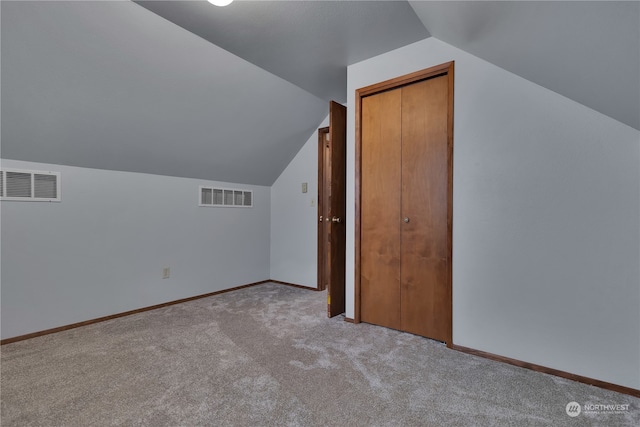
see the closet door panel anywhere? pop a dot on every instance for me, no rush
(425, 248)
(380, 209)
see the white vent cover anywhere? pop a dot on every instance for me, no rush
(226, 197)
(25, 185)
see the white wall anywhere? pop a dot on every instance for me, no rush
(101, 250)
(294, 235)
(546, 232)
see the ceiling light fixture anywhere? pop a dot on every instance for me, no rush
(220, 2)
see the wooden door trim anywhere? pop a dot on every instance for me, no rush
(438, 70)
(322, 132)
(403, 80)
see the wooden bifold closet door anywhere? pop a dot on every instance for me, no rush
(405, 208)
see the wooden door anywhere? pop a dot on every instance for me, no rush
(404, 152)
(332, 154)
(425, 249)
(324, 191)
(380, 209)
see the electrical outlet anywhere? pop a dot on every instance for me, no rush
(166, 273)
(313, 202)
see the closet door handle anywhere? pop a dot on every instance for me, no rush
(406, 219)
(336, 219)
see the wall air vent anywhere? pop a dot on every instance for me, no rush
(26, 185)
(225, 197)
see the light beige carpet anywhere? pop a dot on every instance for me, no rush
(268, 356)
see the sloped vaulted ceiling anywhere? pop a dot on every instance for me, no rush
(113, 85)
(588, 51)
(184, 88)
(110, 85)
(309, 43)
